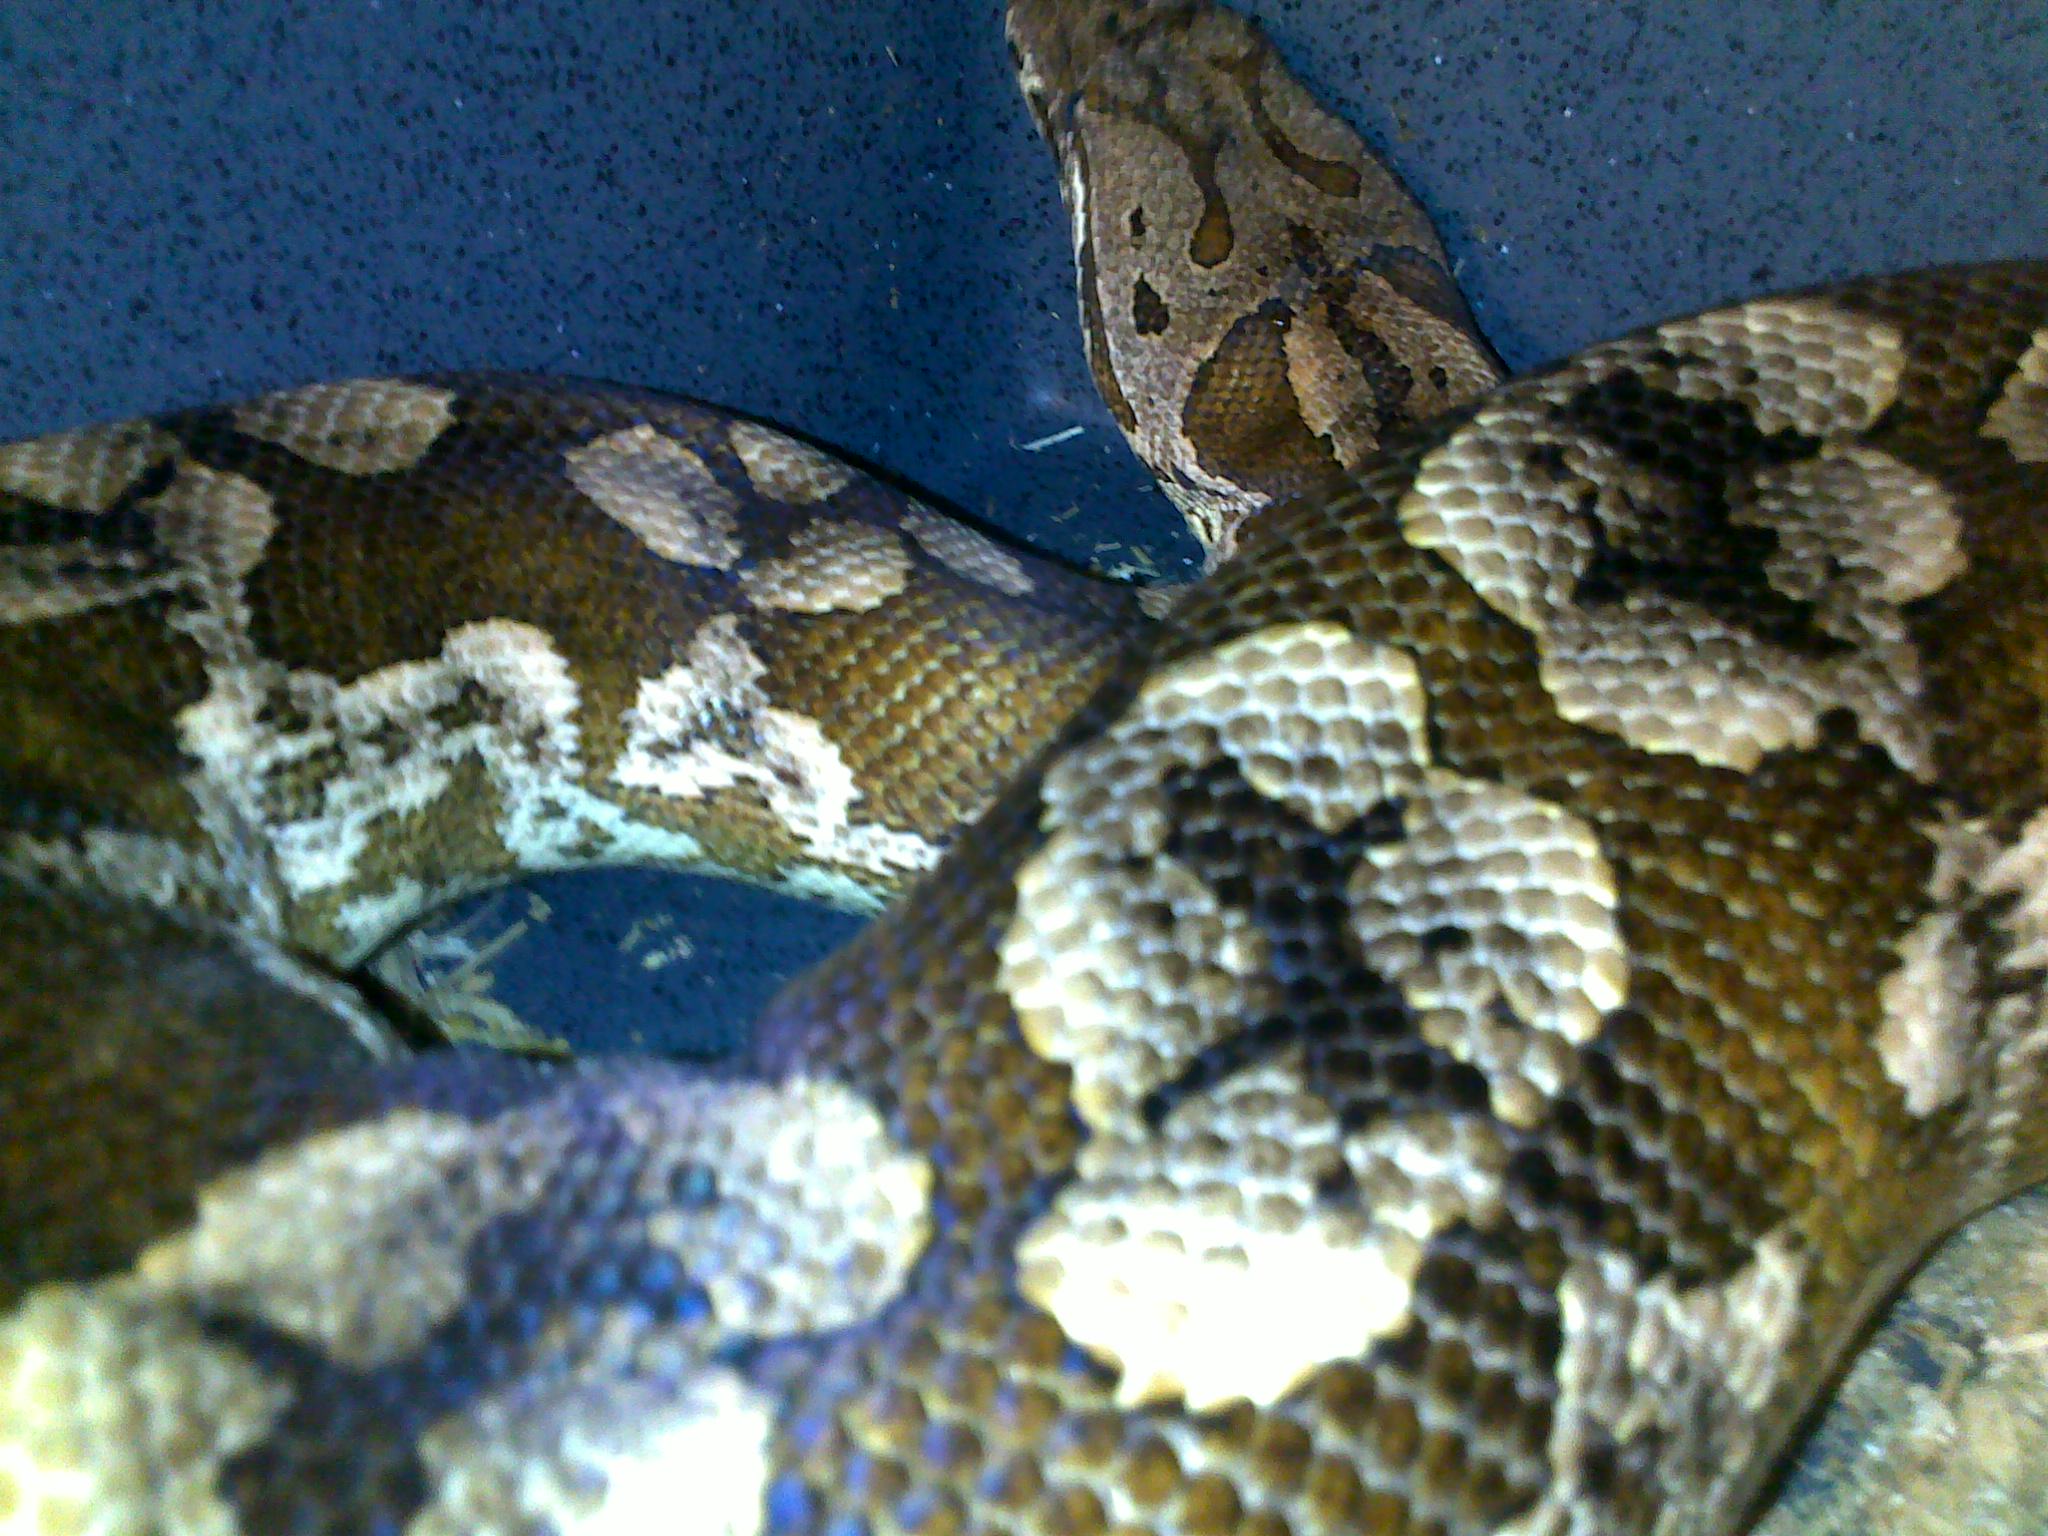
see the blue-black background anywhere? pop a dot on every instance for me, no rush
(839, 218)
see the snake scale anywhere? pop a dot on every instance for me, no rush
(1449, 1025)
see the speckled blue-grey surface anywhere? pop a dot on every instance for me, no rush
(838, 217)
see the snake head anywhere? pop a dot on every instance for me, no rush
(1057, 46)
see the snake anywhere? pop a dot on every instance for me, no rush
(1450, 1023)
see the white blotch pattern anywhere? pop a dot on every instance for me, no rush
(1798, 365)
(604, 1457)
(320, 766)
(1520, 500)
(99, 1395)
(1494, 900)
(708, 725)
(1198, 1254)
(113, 1406)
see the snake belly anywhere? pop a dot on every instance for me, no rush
(1456, 1035)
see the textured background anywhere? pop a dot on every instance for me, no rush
(838, 217)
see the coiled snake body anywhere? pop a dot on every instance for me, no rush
(1454, 1032)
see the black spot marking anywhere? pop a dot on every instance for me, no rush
(1149, 313)
(1362, 1052)
(1389, 381)
(1213, 238)
(1681, 540)
(1444, 939)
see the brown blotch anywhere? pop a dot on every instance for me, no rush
(1242, 416)
(1332, 178)
(1390, 381)
(1421, 279)
(1213, 239)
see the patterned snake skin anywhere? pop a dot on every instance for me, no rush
(1452, 1031)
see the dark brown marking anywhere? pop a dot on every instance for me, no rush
(1332, 178)
(1242, 415)
(1149, 314)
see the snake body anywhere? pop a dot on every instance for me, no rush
(1452, 1028)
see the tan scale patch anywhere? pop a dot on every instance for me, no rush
(1518, 500)
(1158, 602)
(1120, 962)
(1688, 1372)
(86, 470)
(1314, 718)
(1125, 966)
(785, 469)
(966, 552)
(360, 426)
(1668, 676)
(832, 567)
(100, 1394)
(1166, 1254)
(1929, 1006)
(1495, 897)
(355, 1240)
(218, 525)
(708, 725)
(1337, 397)
(1856, 529)
(2019, 417)
(663, 492)
(1963, 1022)
(819, 1216)
(1483, 501)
